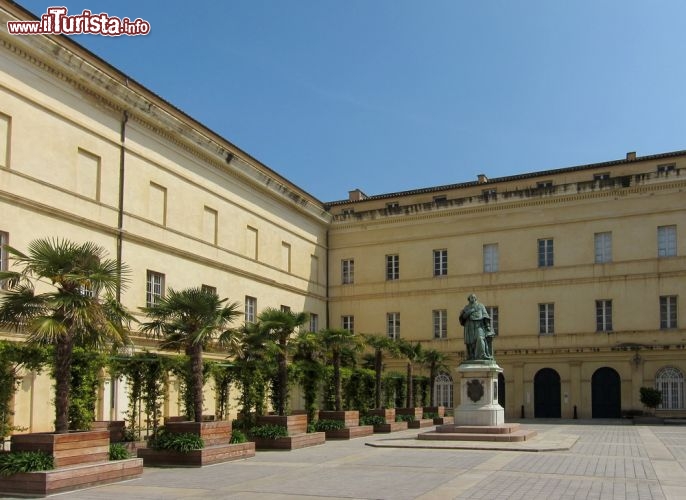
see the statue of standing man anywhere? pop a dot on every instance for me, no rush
(478, 335)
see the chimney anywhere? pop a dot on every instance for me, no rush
(356, 195)
(482, 178)
(631, 155)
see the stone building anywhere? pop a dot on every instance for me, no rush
(582, 268)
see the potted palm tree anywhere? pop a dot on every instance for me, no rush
(413, 353)
(436, 361)
(75, 305)
(189, 320)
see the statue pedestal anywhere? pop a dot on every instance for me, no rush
(479, 394)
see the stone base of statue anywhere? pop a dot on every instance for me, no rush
(479, 394)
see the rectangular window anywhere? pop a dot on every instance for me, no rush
(603, 315)
(157, 204)
(251, 242)
(5, 135)
(666, 241)
(348, 323)
(545, 185)
(545, 252)
(440, 262)
(88, 175)
(210, 225)
(605, 176)
(250, 309)
(493, 313)
(440, 323)
(491, 258)
(392, 267)
(154, 288)
(393, 325)
(286, 256)
(347, 271)
(603, 247)
(285, 309)
(666, 169)
(209, 289)
(314, 322)
(546, 319)
(668, 312)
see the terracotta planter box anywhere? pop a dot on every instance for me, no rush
(296, 424)
(294, 442)
(421, 423)
(351, 432)
(198, 458)
(116, 428)
(70, 478)
(440, 410)
(391, 427)
(387, 413)
(350, 418)
(416, 412)
(72, 448)
(212, 432)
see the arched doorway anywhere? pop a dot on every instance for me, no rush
(443, 390)
(670, 381)
(547, 394)
(501, 390)
(606, 394)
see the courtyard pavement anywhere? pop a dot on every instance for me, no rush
(577, 459)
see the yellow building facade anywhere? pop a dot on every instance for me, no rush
(582, 268)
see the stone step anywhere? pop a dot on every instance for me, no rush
(479, 429)
(512, 437)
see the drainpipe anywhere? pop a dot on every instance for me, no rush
(120, 215)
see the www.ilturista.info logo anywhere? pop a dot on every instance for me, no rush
(56, 21)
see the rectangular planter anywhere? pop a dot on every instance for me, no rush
(391, 427)
(351, 432)
(416, 412)
(444, 420)
(212, 432)
(387, 413)
(421, 423)
(198, 458)
(294, 442)
(440, 410)
(350, 418)
(116, 428)
(296, 424)
(70, 478)
(72, 448)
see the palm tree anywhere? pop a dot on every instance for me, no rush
(380, 344)
(413, 353)
(77, 308)
(436, 361)
(190, 319)
(336, 341)
(278, 325)
(309, 358)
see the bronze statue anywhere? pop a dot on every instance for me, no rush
(478, 335)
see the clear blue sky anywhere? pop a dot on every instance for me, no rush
(389, 95)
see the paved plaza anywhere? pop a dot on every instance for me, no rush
(595, 460)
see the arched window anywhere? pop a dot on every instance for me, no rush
(670, 381)
(443, 390)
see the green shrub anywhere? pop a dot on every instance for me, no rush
(652, 398)
(430, 414)
(329, 425)
(182, 442)
(404, 418)
(238, 436)
(372, 420)
(269, 431)
(24, 461)
(118, 452)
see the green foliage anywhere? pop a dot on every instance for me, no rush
(430, 414)
(13, 357)
(238, 436)
(404, 418)
(358, 390)
(24, 461)
(395, 389)
(223, 375)
(181, 442)
(650, 397)
(118, 452)
(329, 425)
(269, 431)
(83, 387)
(372, 420)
